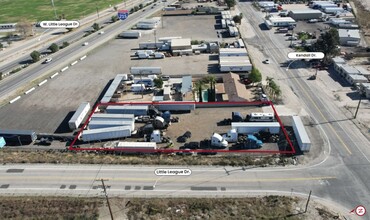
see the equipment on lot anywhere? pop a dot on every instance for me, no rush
(231, 136)
(236, 117)
(249, 142)
(218, 141)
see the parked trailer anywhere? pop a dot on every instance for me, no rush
(301, 135)
(256, 117)
(136, 147)
(18, 137)
(106, 133)
(250, 127)
(175, 107)
(112, 117)
(333, 10)
(107, 124)
(113, 88)
(136, 110)
(130, 34)
(145, 70)
(79, 115)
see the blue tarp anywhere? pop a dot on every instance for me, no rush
(2, 142)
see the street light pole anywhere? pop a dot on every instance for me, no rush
(106, 196)
(358, 106)
(55, 12)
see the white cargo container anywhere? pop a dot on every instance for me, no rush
(130, 34)
(136, 147)
(252, 127)
(145, 70)
(106, 133)
(136, 110)
(223, 23)
(158, 55)
(110, 123)
(303, 140)
(333, 10)
(112, 117)
(79, 115)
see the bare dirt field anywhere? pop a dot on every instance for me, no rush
(268, 207)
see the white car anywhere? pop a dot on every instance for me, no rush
(313, 21)
(292, 38)
(267, 61)
(101, 32)
(48, 60)
(85, 44)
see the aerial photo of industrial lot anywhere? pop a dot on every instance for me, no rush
(185, 109)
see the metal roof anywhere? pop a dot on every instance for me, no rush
(112, 88)
(302, 133)
(101, 130)
(362, 70)
(339, 60)
(255, 124)
(281, 19)
(305, 11)
(17, 132)
(180, 42)
(135, 107)
(79, 110)
(187, 84)
(357, 77)
(112, 116)
(349, 69)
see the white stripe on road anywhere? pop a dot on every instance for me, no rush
(43, 82)
(15, 99)
(74, 63)
(54, 75)
(64, 69)
(82, 58)
(30, 90)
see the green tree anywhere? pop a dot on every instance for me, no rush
(114, 18)
(211, 80)
(136, 8)
(141, 6)
(328, 44)
(35, 55)
(1, 46)
(65, 44)
(255, 75)
(230, 3)
(115, 8)
(96, 26)
(199, 87)
(132, 10)
(53, 48)
(158, 82)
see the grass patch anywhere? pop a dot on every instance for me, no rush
(56, 157)
(14, 11)
(49, 208)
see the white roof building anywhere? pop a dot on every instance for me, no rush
(349, 37)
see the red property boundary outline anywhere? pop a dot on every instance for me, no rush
(226, 104)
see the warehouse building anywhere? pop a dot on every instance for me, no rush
(347, 70)
(227, 52)
(338, 62)
(349, 37)
(354, 79)
(305, 14)
(280, 22)
(235, 64)
(363, 71)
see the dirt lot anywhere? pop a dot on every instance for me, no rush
(268, 207)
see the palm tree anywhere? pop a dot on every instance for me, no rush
(199, 86)
(211, 80)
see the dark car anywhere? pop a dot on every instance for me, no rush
(192, 145)
(187, 134)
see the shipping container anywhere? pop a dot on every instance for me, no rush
(333, 10)
(79, 115)
(113, 117)
(253, 127)
(136, 147)
(136, 110)
(110, 123)
(137, 87)
(223, 23)
(130, 34)
(301, 135)
(106, 133)
(18, 137)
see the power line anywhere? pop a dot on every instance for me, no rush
(106, 196)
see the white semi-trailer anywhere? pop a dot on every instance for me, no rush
(136, 147)
(130, 34)
(106, 133)
(253, 127)
(79, 115)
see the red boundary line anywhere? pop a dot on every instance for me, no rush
(292, 151)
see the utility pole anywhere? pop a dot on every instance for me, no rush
(358, 106)
(141, 83)
(97, 10)
(308, 200)
(55, 12)
(106, 196)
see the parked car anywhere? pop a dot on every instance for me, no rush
(292, 38)
(313, 21)
(267, 61)
(85, 44)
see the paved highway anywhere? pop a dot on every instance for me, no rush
(132, 181)
(349, 147)
(73, 52)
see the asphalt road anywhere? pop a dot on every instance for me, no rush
(73, 52)
(349, 147)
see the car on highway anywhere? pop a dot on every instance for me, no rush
(101, 32)
(48, 60)
(313, 21)
(85, 44)
(267, 61)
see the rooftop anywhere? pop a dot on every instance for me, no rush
(350, 69)
(281, 19)
(349, 33)
(235, 90)
(339, 60)
(180, 42)
(357, 77)
(304, 11)
(363, 71)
